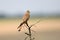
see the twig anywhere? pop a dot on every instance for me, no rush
(33, 31)
(35, 23)
(29, 29)
(26, 38)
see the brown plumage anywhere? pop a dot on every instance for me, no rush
(25, 19)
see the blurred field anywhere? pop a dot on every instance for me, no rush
(46, 29)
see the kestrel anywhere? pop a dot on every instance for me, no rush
(25, 19)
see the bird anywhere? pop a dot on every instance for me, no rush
(25, 19)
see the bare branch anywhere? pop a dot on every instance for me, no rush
(35, 23)
(29, 29)
(26, 38)
(33, 31)
(26, 33)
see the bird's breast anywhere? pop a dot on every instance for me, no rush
(26, 17)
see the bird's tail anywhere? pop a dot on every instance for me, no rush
(20, 24)
(20, 29)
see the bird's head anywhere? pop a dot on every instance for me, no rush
(28, 11)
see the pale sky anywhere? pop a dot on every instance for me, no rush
(12, 6)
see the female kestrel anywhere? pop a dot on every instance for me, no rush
(25, 19)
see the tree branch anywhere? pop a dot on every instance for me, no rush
(35, 23)
(26, 38)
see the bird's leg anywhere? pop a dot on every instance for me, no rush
(27, 24)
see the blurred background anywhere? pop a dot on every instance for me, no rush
(47, 11)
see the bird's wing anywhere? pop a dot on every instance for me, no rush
(26, 17)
